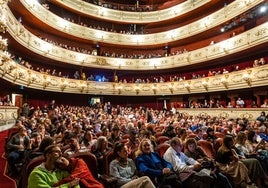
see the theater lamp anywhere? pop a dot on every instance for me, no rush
(247, 78)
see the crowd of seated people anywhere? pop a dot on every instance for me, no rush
(98, 130)
(84, 21)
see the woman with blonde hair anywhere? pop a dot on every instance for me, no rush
(151, 164)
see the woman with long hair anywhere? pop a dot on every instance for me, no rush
(228, 162)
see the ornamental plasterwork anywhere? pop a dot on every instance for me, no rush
(246, 115)
(263, 73)
(198, 84)
(145, 39)
(237, 78)
(60, 54)
(133, 17)
(216, 81)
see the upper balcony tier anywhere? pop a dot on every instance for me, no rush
(100, 12)
(20, 75)
(64, 27)
(254, 40)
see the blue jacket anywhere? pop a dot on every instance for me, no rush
(152, 165)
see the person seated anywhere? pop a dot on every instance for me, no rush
(101, 150)
(47, 141)
(211, 135)
(229, 164)
(186, 167)
(240, 103)
(115, 135)
(257, 173)
(77, 169)
(47, 174)
(262, 61)
(88, 140)
(74, 145)
(17, 147)
(150, 163)
(196, 152)
(124, 169)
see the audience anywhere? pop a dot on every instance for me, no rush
(47, 174)
(78, 169)
(158, 169)
(124, 169)
(186, 167)
(62, 126)
(229, 163)
(17, 148)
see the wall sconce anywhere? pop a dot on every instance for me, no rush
(224, 81)
(20, 73)
(171, 88)
(3, 26)
(119, 89)
(137, 89)
(247, 78)
(3, 44)
(4, 57)
(8, 66)
(31, 78)
(63, 84)
(247, 2)
(225, 50)
(154, 88)
(46, 81)
(187, 86)
(82, 86)
(205, 84)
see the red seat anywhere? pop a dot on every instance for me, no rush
(218, 143)
(192, 135)
(162, 139)
(90, 160)
(207, 147)
(161, 148)
(125, 136)
(28, 169)
(157, 134)
(219, 134)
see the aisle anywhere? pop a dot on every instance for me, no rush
(5, 181)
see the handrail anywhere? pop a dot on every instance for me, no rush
(20, 75)
(238, 43)
(232, 10)
(128, 16)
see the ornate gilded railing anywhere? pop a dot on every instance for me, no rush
(219, 17)
(131, 17)
(231, 113)
(239, 43)
(8, 115)
(17, 74)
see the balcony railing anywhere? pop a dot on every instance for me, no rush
(225, 14)
(238, 43)
(20, 75)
